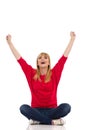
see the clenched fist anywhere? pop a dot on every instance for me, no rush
(73, 35)
(8, 38)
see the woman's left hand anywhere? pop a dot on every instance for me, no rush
(73, 35)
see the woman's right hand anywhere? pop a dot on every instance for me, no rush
(8, 38)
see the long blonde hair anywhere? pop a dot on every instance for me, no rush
(48, 74)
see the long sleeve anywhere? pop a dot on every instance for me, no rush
(27, 69)
(58, 68)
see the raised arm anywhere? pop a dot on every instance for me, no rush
(13, 49)
(69, 47)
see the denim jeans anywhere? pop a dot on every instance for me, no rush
(45, 115)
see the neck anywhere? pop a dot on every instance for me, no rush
(43, 71)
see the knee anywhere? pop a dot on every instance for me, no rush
(67, 108)
(23, 108)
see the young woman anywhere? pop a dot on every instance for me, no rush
(43, 83)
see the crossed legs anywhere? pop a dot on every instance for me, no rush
(45, 115)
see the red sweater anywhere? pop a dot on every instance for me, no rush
(44, 95)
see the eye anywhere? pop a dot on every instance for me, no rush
(45, 57)
(39, 57)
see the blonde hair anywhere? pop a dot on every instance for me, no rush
(48, 74)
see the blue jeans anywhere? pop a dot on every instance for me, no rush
(45, 115)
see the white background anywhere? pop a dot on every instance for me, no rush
(36, 26)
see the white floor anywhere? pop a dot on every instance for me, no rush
(71, 124)
(51, 127)
(45, 127)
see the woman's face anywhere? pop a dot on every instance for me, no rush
(43, 61)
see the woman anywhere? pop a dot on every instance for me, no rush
(43, 83)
